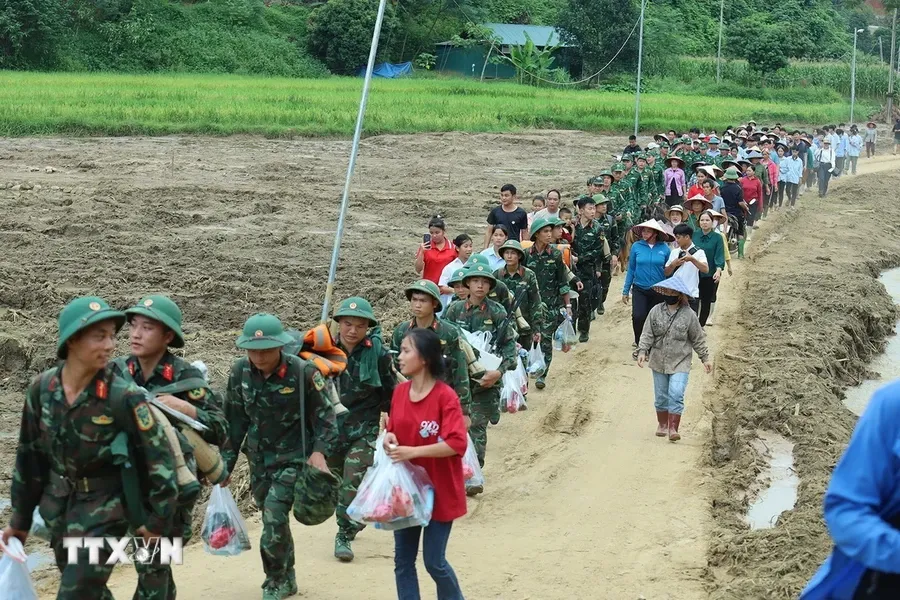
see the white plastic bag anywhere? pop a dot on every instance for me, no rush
(471, 469)
(564, 336)
(38, 526)
(511, 394)
(393, 495)
(481, 341)
(15, 581)
(224, 531)
(536, 362)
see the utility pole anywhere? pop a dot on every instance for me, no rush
(637, 96)
(719, 53)
(881, 49)
(853, 75)
(890, 97)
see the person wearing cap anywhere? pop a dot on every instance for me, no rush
(825, 158)
(365, 387)
(870, 137)
(592, 250)
(275, 403)
(687, 262)
(517, 278)
(622, 195)
(733, 196)
(675, 216)
(646, 267)
(610, 228)
(154, 327)
(550, 270)
(656, 168)
(670, 336)
(499, 292)
(840, 145)
(643, 182)
(713, 154)
(674, 184)
(460, 291)
(75, 416)
(479, 313)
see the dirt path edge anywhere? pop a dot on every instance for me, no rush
(813, 316)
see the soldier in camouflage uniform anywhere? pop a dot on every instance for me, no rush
(610, 228)
(517, 276)
(499, 293)
(155, 325)
(365, 387)
(274, 401)
(78, 421)
(626, 208)
(592, 251)
(550, 270)
(478, 313)
(644, 182)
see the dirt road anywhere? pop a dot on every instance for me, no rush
(582, 501)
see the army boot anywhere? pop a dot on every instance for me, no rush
(342, 550)
(540, 383)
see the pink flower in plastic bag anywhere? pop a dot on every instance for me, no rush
(220, 537)
(381, 514)
(468, 472)
(401, 502)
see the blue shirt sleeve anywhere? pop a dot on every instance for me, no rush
(864, 487)
(629, 274)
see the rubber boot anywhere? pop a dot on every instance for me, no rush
(712, 309)
(674, 422)
(342, 550)
(540, 383)
(583, 337)
(741, 244)
(662, 420)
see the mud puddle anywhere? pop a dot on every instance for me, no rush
(778, 484)
(887, 365)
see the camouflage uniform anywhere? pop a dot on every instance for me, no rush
(485, 403)
(155, 579)
(359, 428)
(69, 456)
(592, 251)
(550, 272)
(531, 306)
(270, 413)
(610, 228)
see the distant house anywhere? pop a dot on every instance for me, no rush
(469, 61)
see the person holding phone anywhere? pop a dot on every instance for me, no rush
(426, 427)
(686, 262)
(435, 252)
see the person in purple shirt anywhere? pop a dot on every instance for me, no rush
(674, 185)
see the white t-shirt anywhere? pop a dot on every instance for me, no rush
(545, 213)
(688, 272)
(446, 274)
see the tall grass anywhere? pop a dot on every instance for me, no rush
(871, 79)
(117, 104)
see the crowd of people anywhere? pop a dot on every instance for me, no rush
(308, 410)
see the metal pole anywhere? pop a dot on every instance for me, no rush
(890, 97)
(881, 49)
(354, 150)
(719, 54)
(853, 77)
(637, 97)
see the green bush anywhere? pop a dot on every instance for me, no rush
(340, 33)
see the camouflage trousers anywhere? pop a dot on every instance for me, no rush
(273, 492)
(552, 319)
(155, 581)
(100, 516)
(588, 277)
(349, 462)
(485, 405)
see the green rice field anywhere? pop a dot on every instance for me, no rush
(157, 104)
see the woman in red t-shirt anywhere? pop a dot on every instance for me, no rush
(753, 190)
(426, 427)
(437, 253)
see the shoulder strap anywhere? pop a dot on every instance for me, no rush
(298, 367)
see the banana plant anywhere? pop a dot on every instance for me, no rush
(531, 63)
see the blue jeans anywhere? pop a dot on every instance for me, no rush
(434, 547)
(669, 391)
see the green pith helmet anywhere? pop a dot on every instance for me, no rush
(81, 313)
(162, 309)
(537, 225)
(356, 307)
(642, 155)
(618, 167)
(457, 277)
(426, 287)
(513, 245)
(596, 180)
(475, 270)
(601, 199)
(263, 332)
(605, 173)
(732, 173)
(315, 493)
(628, 157)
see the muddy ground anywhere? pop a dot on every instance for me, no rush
(229, 227)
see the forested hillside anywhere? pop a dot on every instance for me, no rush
(309, 39)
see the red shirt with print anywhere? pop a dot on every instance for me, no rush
(436, 259)
(437, 417)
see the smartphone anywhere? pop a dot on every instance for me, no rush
(426, 239)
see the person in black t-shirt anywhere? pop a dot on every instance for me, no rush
(633, 147)
(508, 214)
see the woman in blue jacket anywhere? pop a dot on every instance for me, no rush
(646, 268)
(862, 510)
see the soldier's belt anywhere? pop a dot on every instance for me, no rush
(84, 485)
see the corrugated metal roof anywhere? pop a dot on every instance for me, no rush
(514, 35)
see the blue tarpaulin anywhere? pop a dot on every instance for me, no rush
(389, 71)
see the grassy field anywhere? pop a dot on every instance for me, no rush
(118, 104)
